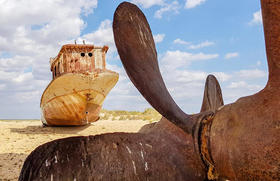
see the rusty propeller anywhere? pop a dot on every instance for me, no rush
(240, 141)
(238, 130)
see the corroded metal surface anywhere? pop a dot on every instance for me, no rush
(161, 152)
(212, 101)
(139, 57)
(238, 142)
(77, 58)
(245, 135)
(165, 153)
(79, 86)
(213, 98)
(76, 99)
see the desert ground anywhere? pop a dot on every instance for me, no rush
(18, 138)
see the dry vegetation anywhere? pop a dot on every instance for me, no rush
(149, 114)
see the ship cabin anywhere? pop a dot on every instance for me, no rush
(78, 58)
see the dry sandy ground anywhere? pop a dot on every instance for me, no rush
(19, 138)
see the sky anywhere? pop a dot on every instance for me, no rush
(193, 38)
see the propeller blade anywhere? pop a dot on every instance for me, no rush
(213, 98)
(136, 47)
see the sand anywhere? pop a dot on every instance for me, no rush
(19, 138)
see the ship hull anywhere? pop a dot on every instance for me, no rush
(76, 99)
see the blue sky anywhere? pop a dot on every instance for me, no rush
(193, 38)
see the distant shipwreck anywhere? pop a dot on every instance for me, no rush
(79, 86)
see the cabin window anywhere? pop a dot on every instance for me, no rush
(65, 63)
(77, 65)
(72, 65)
(58, 71)
(54, 71)
(83, 54)
(90, 54)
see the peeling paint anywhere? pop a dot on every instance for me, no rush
(129, 151)
(134, 167)
(79, 86)
(142, 155)
(78, 58)
(146, 166)
(47, 163)
(55, 159)
(148, 145)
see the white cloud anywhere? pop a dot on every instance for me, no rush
(193, 3)
(190, 76)
(244, 85)
(29, 24)
(251, 74)
(158, 38)
(201, 45)
(148, 3)
(240, 84)
(2, 86)
(15, 63)
(192, 46)
(172, 7)
(124, 94)
(177, 77)
(231, 55)
(257, 18)
(186, 85)
(23, 77)
(222, 76)
(102, 36)
(34, 31)
(182, 42)
(175, 59)
(165, 6)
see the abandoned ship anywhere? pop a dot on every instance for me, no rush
(80, 83)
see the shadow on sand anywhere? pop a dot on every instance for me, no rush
(49, 130)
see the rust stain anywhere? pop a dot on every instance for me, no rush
(78, 93)
(238, 141)
(79, 86)
(204, 142)
(78, 59)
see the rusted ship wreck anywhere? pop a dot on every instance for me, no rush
(79, 86)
